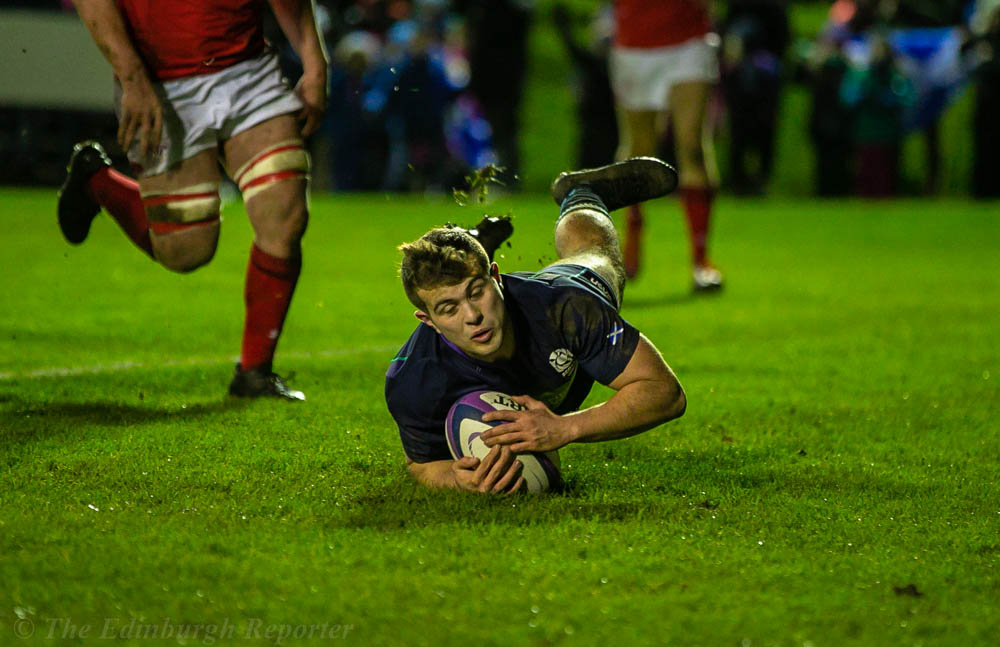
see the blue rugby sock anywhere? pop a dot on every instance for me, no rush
(582, 197)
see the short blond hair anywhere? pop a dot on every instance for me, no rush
(440, 257)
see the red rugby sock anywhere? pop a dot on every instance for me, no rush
(119, 195)
(697, 208)
(268, 294)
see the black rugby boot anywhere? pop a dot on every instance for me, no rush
(261, 382)
(76, 210)
(620, 184)
(491, 232)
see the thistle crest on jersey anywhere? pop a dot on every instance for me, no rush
(562, 361)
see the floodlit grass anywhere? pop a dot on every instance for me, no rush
(834, 481)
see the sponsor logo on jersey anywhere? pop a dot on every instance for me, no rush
(562, 361)
(600, 287)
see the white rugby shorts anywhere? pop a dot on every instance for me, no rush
(201, 111)
(641, 78)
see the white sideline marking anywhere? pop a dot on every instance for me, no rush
(120, 367)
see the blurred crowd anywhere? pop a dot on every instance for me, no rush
(422, 91)
(883, 69)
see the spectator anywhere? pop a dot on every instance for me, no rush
(498, 60)
(829, 119)
(985, 48)
(926, 45)
(755, 37)
(877, 94)
(410, 92)
(356, 142)
(597, 138)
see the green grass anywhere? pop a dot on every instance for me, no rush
(840, 445)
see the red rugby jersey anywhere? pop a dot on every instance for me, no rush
(659, 23)
(178, 38)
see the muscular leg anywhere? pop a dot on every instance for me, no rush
(182, 206)
(173, 216)
(688, 104)
(585, 234)
(638, 138)
(269, 164)
(277, 207)
(638, 133)
(587, 237)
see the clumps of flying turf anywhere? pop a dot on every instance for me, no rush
(494, 229)
(478, 182)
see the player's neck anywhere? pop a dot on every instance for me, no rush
(506, 352)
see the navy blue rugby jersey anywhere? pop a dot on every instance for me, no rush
(567, 332)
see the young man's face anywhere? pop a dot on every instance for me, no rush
(470, 315)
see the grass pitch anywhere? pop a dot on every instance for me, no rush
(834, 481)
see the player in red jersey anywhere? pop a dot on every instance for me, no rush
(663, 59)
(198, 87)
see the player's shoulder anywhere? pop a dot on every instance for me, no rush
(418, 351)
(560, 287)
(422, 379)
(534, 298)
(540, 286)
(417, 374)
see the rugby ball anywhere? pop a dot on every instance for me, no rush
(465, 425)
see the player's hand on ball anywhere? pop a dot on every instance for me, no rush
(534, 429)
(142, 116)
(497, 473)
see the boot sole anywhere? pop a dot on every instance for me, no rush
(621, 184)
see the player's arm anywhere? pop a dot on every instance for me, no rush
(142, 113)
(497, 473)
(647, 394)
(298, 22)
